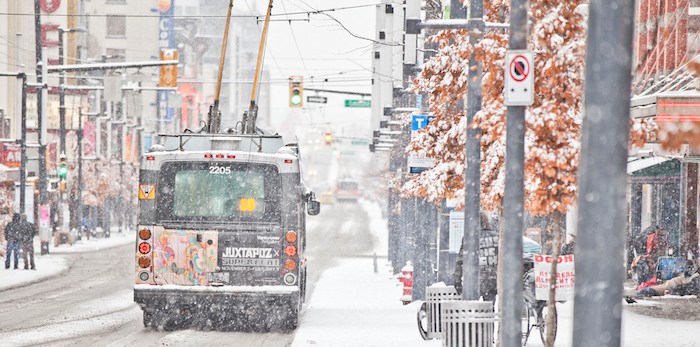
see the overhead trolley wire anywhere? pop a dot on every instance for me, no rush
(308, 13)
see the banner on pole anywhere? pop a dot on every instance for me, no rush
(168, 73)
(566, 276)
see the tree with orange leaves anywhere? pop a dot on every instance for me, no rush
(553, 122)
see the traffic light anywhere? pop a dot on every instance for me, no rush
(62, 169)
(296, 91)
(328, 138)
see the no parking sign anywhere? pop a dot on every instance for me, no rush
(520, 79)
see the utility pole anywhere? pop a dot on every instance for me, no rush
(44, 225)
(23, 161)
(447, 259)
(61, 95)
(513, 196)
(603, 178)
(472, 181)
(80, 173)
(61, 89)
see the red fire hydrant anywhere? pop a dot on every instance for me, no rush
(406, 278)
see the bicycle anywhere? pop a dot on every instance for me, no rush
(534, 314)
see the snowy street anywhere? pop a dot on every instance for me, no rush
(89, 298)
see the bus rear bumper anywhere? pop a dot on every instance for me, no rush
(226, 306)
(146, 294)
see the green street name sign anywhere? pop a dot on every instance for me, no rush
(358, 103)
(360, 142)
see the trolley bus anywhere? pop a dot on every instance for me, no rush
(221, 235)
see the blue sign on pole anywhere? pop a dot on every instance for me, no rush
(419, 164)
(419, 122)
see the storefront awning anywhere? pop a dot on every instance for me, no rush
(636, 164)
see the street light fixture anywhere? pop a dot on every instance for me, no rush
(61, 81)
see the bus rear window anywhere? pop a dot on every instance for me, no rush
(219, 192)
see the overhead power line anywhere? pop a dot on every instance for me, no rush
(307, 13)
(348, 30)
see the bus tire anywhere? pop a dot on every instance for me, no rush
(148, 318)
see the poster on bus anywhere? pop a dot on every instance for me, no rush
(565, 277)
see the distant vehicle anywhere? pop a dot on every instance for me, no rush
(347, 190)
(530, 246)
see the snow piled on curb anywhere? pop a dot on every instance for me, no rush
(95, 244)
(47, 266)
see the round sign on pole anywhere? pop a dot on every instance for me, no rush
(519, 78)
(519, 68)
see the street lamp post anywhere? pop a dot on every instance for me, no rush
(61, 89)
(62, 114)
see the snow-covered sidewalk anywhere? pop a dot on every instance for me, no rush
(371, 316)
(93, 244)
(637, 330)
(47, 266)
(54, 264)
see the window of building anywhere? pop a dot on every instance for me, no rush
(116, 26)
(115, 55)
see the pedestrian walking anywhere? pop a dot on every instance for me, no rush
(13, 240)
(28, 231)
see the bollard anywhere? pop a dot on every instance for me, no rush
(435, 297)
(468, 323)
(376, 268)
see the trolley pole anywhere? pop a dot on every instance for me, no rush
(472, 179)
(605, 131)
(513, 196)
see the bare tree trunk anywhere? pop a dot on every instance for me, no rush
(433, 9)
(551, 322)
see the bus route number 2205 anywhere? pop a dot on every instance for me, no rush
(220, 170)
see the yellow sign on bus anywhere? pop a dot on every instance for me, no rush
(247, 205)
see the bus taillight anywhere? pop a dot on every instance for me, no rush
(144, 234)
(290, 251)
(144, 247)
(291, 236)
(290, 264)
(144, 262)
